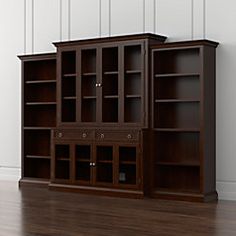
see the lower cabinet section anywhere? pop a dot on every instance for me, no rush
(97, 165)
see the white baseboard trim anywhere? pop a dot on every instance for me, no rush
(226, 190)
(10, 173)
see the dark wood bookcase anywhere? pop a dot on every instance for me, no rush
(183, 120)
(128, 116)
(38, 116)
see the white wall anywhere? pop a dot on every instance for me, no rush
(12, 43)
(55, 20)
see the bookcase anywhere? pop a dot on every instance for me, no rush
(183, 120)
(38, 116)
(128, 116)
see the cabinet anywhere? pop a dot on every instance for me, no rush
(38, 116)
(97, 158)
(96, 76)
(128, 116)
(183, 120)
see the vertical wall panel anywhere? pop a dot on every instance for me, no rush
(174, 19)
(198, 19)
(149, 16)
(28, 26)
(84, 19)
(219, 18)
(12, 44)
(65, 20)
(46, 24)
(126, 16)
(105, 17)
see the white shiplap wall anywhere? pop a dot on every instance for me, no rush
(32, 25)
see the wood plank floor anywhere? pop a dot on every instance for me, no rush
(40, 212)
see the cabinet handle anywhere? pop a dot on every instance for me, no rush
(59, 134)
(97, 85)
(129, 136)
(94, 164)
(91, 164)
(102, 135)
(84, 135)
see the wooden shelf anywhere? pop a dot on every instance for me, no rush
(176, 75)
(133, 71)
(69, 98)
(111, 96)
(105, 161)
(162, 163)
(133, 96)
(89, 74)
(111, 73)
(177, 129)
(89, 97)
(40, 103)
(40, 81)
(38, 157)
(173, 191)
(128, 162)
(175, 100)
(62, 159)
(69, 75)
(37, 128)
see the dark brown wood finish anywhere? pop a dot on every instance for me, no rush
(38, 116)
(37, 211)
(183, 120)
(134, 117)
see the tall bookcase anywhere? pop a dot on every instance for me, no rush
(183, 120)
(128, 116)
(38, 116)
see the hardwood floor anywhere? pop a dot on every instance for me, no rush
(39, 212)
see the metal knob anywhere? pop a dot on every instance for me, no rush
(59, 134)
(91, 164)
(129, 136)
(84, 135)
(102, 135)
(94, 164)
(97, 85)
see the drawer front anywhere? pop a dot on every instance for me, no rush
(121, 136)
(73, 134)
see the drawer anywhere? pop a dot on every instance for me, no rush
(121, 136)
(73, 134)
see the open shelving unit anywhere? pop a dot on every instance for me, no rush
(176, 105)
(39, 116)
(178, 114)
(125, 116)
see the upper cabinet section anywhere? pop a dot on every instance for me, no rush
(104, 81)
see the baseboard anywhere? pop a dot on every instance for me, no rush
(226, 190)
(10, 173)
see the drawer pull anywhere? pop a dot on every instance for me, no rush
(129, 136)
(84, 135)
(102, 135)
(94, 164)
(91, 164)
(59, 134)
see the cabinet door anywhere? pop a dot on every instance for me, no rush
(133, 83)
(128, 167)
(110, 83)
(103, 163)
(67, 80)
(62, 162)
(88, 87)
(83, 163)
